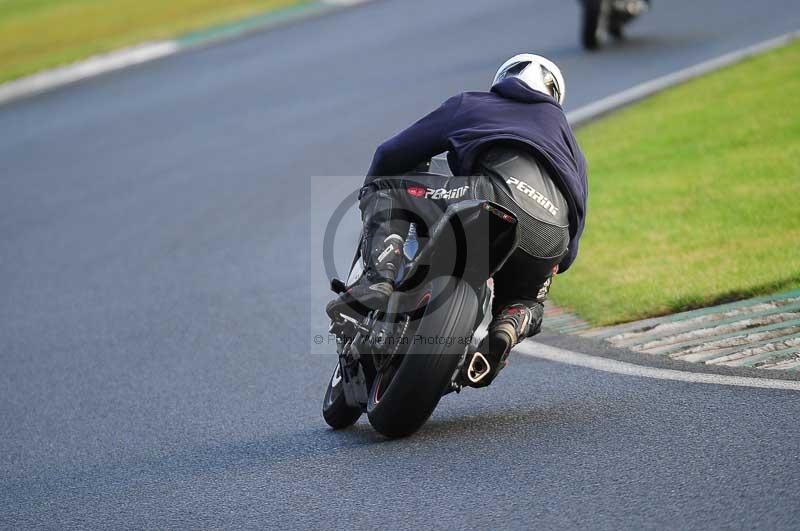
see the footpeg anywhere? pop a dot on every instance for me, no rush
(337, 286)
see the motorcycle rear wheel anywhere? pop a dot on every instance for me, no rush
(404, 397)
(591, 23)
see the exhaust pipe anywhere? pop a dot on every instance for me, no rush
(478, 368)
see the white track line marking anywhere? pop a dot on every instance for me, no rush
(84, 69)
(50, 79)
(648, 88)
(546, 352)
(346, 3)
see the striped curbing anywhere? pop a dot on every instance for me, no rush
(763, 332)
(558, 319)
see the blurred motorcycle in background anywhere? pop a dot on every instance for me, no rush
(603, 18)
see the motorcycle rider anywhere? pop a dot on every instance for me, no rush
(516, 148)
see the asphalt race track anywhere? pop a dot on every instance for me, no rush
(160, 290)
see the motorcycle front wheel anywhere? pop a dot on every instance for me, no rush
(335, 410)
(404, 396)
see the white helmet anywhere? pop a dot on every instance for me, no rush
(538, 73)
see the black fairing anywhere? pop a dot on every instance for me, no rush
(472, 241)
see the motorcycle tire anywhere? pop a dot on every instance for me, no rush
(335, 410)
(616, 24)
(403, 398)
(591, 21)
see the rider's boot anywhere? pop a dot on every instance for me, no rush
(509, 327)
(382, 250)
(376, 285)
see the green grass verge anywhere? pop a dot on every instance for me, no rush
(694, 196)
(40, 34)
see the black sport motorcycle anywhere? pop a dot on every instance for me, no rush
(395, 365)
(608, 17)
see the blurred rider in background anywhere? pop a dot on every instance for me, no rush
(515, 148)
(608, 17)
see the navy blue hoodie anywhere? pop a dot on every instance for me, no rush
(465, 124)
